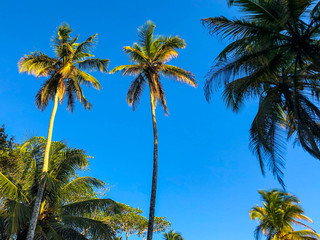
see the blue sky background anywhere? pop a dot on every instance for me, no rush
(208, 179)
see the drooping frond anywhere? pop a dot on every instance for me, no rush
(80, 186)
(17, 213)
(135, 91)
(266, 140)
(37, 64)
(131, 70)
(96, 64)
(88, 206)
(166, 49)
(87, 79)
(92, 227)
(179, 74)
(10, 190)
(135, 54)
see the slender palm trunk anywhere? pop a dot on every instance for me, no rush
(155, 170)
(37, 204)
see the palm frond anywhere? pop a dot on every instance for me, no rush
(37, 64)
(179, 74)
(145, 35)
(87, 79)
(94, 64)
(135, 91)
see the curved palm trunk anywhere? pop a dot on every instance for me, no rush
(155, 170)
(37, 204)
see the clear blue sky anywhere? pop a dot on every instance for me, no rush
(208, 179)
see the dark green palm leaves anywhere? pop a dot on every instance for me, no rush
(274, 57)
(172, 235)
(68, 201)
(279, 212)
(66, 72)
(149, 57)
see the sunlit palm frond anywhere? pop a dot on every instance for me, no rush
(135, 54)
(179, 74)
(37, 64)
(145, 37)
(96, 64)
(86, 45)
(87, 79)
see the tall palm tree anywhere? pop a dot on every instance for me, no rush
(279, 212)
(65, 75)
(172, 235)
(68, 200)
(149, 57)
(273, 56)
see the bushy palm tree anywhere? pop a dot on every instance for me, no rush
(66, 74)
(280, 211)
(172, 235)
(273, 56)
(149, 59)
(68, 201)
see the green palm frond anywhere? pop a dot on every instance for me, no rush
(304, 235)
(135, 91)
(92, 227)
(265, 140)
(237, 28)
(80, 186)
(96, 64)
(87, 79)
(10, 190)
(88, 206)
(86, 45)
(18, 213)
(37, 64)
(131, 70)
(179, 74)
(145, 36)
(135, 53)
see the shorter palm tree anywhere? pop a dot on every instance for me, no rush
(280, 211)
(172, 235)
(68, 201)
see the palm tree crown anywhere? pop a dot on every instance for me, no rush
(149, 57)
(66, 71)
(279, 212)
(273, 56)
(172, 235)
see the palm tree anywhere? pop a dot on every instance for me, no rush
(273, 56)
(65, 74)
(279, 212)
(149, 57)
(68, 200)
(172, 235)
